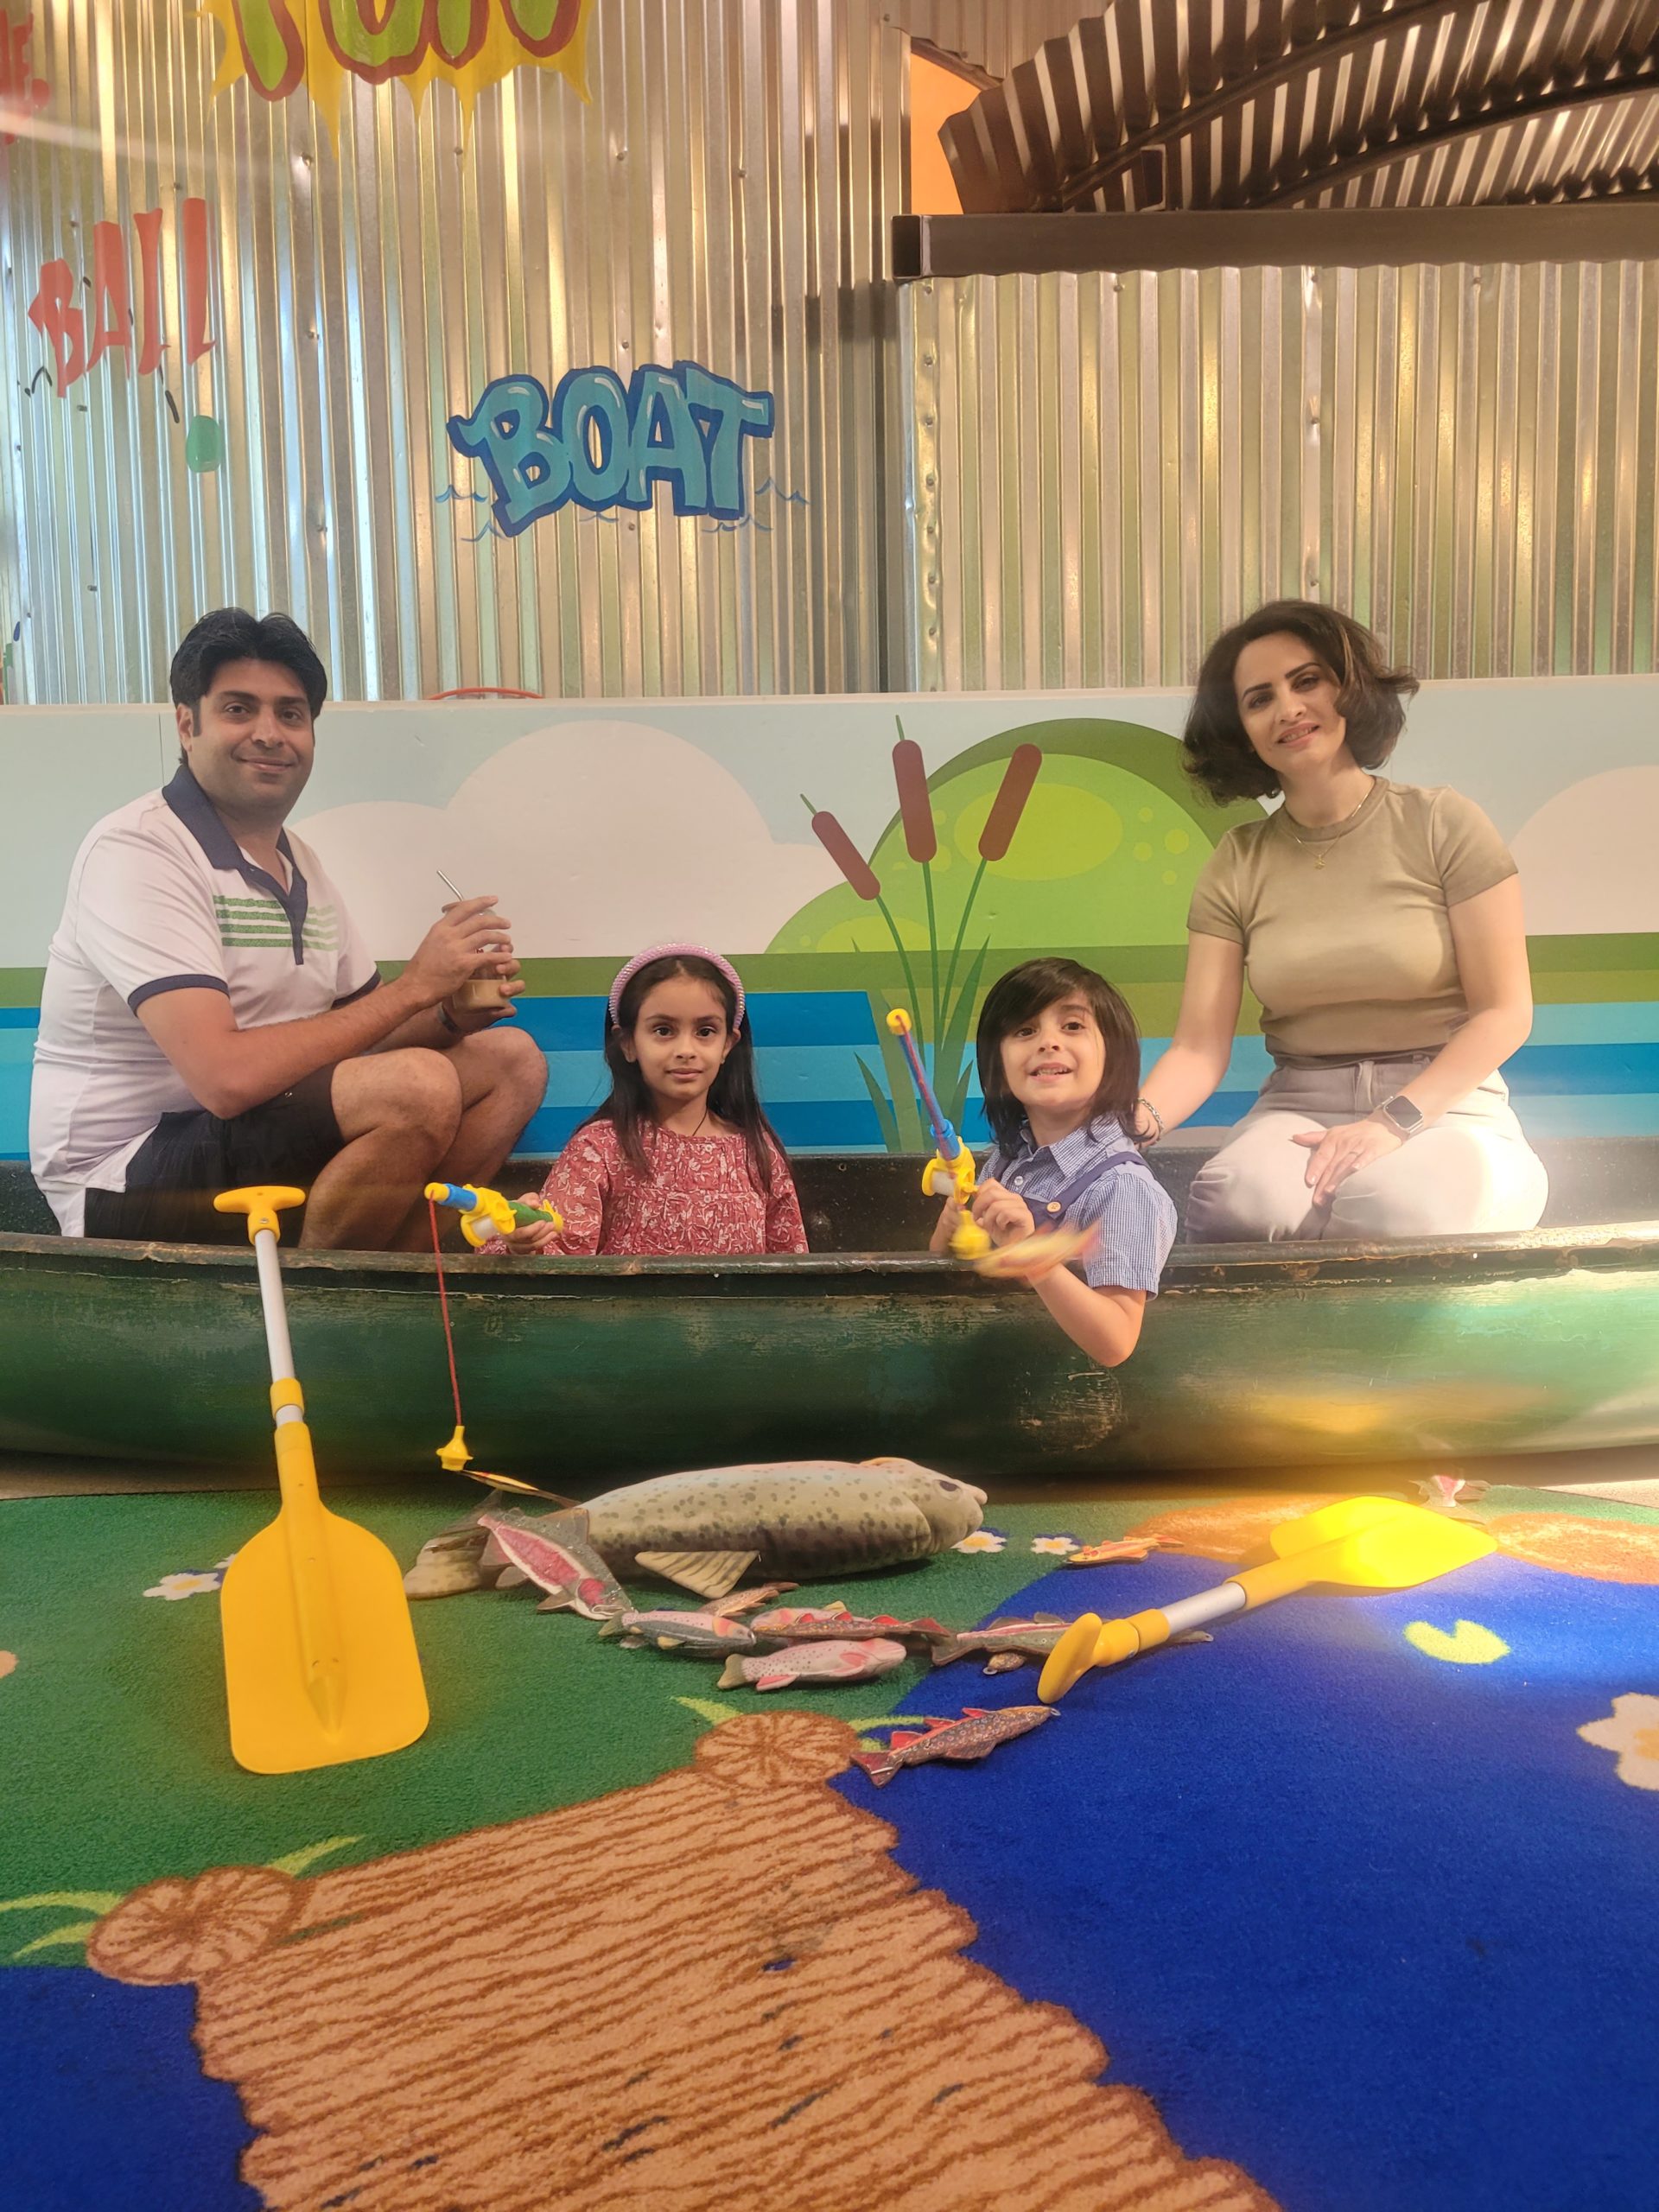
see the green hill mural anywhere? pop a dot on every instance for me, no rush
(1060, 836)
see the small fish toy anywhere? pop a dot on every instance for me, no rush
(1033, 1257)
(1006, 1643)
(813, 1662)
(1103, 1554)
(823, 1624)
(552, 1552)
(970, 1737)
(704, 1635)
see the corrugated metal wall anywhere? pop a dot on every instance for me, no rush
(1110, 467)
(1020, 482)
(725, 198)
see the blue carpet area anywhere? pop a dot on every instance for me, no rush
(1382, 1929)
(104, 2102)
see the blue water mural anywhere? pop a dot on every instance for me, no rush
(106, 2102)
(1589, 1071)
(1379, 1927)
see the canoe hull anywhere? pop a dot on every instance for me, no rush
(580, 1373)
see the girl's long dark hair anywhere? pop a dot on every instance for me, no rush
(1019, 996)
(733, 1095)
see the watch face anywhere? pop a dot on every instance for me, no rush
(1404, 1113)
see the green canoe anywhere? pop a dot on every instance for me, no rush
(577, 1372)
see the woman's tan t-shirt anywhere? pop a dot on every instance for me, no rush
(1355, 958)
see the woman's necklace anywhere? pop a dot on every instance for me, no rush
(1325, 843)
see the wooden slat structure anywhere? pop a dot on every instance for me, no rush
(1267, 104)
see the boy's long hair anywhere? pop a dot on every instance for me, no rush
(732, 1096)
(1023, 994)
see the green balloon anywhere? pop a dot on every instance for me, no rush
(204, 444)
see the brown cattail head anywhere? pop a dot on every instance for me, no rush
(915, 808)
(844, 853)
(1010, 801)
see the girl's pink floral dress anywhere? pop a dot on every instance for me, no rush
(699, 1200)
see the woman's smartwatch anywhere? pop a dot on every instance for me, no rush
(1402, 1115)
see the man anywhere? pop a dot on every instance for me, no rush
(211, 1017)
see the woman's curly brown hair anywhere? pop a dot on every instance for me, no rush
(1370, 696)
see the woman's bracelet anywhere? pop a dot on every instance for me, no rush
(1146, 1143)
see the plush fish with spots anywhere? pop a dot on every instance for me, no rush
(812, 1663)
(801, 1517)
(970, 1737)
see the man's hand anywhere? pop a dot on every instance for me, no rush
(453, 951)
(1339, 1153)
(1004, 1217)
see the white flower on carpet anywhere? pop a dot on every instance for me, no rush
(1059, 1544)
(1633, 1733)
(185, 1585)
(982, 1540)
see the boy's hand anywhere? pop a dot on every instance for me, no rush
(1005, 1217)
(946, 1228)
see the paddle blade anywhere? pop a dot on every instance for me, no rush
(1348, 1517)
(360, 1693)
(1399, 1553)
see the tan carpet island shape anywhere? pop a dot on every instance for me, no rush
(717, 1987)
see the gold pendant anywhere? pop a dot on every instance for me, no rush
(1323, 853)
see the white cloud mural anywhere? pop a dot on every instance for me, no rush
(1587, 857)
(598, 837)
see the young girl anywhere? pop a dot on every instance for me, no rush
(1059, 1063)
(680, 1158)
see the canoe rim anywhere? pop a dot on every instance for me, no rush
(1624, 1246)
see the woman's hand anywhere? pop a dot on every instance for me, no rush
(1004, 1217)
(1339, 1153)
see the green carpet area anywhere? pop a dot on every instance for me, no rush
(117, 1762)
(117, 1758)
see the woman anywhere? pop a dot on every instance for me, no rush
(1380, 926)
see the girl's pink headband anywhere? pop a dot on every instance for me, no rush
(673, 951)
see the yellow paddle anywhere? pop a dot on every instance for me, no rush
(320, 1659)
(1364, 1543)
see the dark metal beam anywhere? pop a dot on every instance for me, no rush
(1443, 131)
(999, 245)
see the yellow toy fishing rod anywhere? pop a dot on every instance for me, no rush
(952, 1164)
(484, 1214)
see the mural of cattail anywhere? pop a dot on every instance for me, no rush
(915, 806)
(844, 853)
(1010, 801)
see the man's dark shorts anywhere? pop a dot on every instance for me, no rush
(187, 1158)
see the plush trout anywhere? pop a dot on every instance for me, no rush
(808, 1518)
(970, 1737)
(813, 1662)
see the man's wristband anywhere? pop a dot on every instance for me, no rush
(449, 1019)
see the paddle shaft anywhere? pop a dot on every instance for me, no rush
(316, 1613)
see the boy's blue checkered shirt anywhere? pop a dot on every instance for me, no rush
(1136, 1215)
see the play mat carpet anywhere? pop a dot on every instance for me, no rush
(1353, 1906)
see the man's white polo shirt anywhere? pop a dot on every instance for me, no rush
(161, 898)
